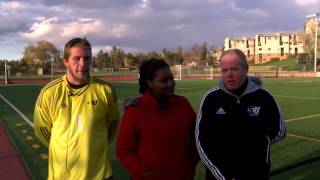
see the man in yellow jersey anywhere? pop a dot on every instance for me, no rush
(76, 117)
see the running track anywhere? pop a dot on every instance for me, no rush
(11, 166)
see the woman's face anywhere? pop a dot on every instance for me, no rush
(162, 85)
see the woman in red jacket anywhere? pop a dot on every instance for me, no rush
(156, 138)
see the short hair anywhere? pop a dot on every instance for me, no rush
(147, 71)
(75, 42)
(237, 52)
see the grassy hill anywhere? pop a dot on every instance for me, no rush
(289, 64)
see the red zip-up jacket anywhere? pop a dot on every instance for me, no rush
(159, 141)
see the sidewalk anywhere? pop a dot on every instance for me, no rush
(11, 167)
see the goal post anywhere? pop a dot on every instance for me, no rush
(176, 71)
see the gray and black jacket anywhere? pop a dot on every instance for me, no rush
(234, 133)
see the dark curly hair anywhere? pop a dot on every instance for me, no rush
(148, 69)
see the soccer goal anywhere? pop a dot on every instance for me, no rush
(176, 71)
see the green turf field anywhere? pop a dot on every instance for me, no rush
(296, 157)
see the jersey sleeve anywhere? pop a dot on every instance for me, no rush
(276, 127)
(42, 120)
(204, 136)
(113, 116)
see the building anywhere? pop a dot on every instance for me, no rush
(267, 47)
(246, 45)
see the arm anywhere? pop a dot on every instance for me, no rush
(276, 128)
(203, 140)
(113, 117)
(42, 120)
(127, 145)
(194, 152)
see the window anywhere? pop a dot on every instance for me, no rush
(269, 49)
(282, 52)
(260, 57)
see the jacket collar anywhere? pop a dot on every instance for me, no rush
(79, 91)
(251, 87)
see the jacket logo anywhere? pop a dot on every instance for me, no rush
(254, 110)
(220, 111)
(92, 102)
(63, 105)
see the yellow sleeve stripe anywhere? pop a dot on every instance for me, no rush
(45, 133)
(52, 83)
(101, 81)
(46, 87)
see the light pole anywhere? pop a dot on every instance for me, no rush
(52, 60)
(315, 17)
(5, 73)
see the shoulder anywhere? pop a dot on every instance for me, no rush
(264, 93)
(182, 103)
(100, 82)
(103, 86)
(53, 84)
(180, 99)
(50, 89)
(212, 92)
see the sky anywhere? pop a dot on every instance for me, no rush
(144, 25)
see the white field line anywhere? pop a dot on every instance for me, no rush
(297, 97)
(304, 138)
(17, 110)
(301, 118)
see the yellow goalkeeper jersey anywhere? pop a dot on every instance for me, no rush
(77, 126)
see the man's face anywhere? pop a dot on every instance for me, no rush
(78, 65)
(233, 72)
(162, 85)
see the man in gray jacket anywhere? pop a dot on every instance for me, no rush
(237, 122)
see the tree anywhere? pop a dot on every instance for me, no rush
(196, 53)
(40, 55)
(153, 54)
(203, 53)
(130, 61)
(172, 58)
(100, 60)
(310, 44)
(116, 57)
(179, 59)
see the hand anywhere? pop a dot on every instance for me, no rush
(130, 101)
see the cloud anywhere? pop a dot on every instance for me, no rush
(251, 12)
(306, 2)
(40, 28)
(13, 5)
(57, 31)
(146, 25)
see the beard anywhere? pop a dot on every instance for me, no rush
(79, 78)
